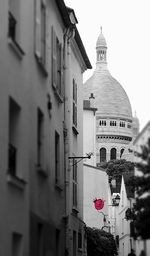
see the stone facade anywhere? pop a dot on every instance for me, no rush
(114, 121)
(42, 58)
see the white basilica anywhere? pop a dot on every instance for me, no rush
(109, 130)
(115, 126)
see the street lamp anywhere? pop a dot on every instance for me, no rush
(116, 200)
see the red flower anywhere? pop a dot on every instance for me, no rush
(99, 204)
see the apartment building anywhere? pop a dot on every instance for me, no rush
(42, 63)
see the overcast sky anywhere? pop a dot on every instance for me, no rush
(126, 28)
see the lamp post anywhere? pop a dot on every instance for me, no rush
(116, 200)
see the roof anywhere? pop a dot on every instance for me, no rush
(110, 97)
(95, 167)
(87, 106)
(101, 41)
(129, 188)
(65, 13)
(142, 132)
(82, 49)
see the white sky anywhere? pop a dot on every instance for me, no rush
(126, 28)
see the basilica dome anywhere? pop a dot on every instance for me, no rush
(110, 97)
(101, 41)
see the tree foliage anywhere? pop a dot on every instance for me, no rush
(100, 243)
(115, 169)
(142, 187)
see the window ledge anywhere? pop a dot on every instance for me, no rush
(59, 97)
(75, 210)
(16, 181)
(80, 249)
(75, 130)
(59, 186)
(41, 65)
(16, 48)
(41, 171)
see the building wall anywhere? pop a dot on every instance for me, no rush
(125, 241)
(89, 138)
(46, 194)
(34, 206)
(112, 135)
(140, 140)
(74, 148)
(14, 85)
(95, 186)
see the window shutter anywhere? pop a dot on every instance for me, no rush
(76, 115)
(75, 104)
(62, 82)
(54, 60)
(75, 93)
(73, 113)
(46, 38)
(43, 34)
(37, 28)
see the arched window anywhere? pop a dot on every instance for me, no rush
(113, 153)
(102, 155)
(121, 152)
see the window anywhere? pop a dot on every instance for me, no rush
(113, 153)
(40, 239)
(74, 243)
(40, 32)
(57, 158)
(74, 103)
(14, 20)
(13, 146)
(129, 126)
(79, 240)
(40, 138)
(102, 123)
(74, 178)
(112, 123)
(17, 246)
(57, 242)
(122, 226)
(121, 152)
(122, 124)
(57, 65)
(102, 155)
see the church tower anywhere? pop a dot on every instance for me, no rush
(114, 121)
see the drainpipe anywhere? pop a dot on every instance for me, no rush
(68, 35)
